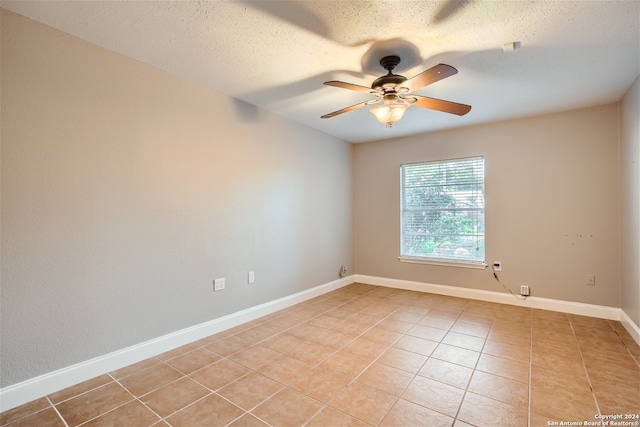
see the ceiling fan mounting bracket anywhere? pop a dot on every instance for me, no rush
(390, 62)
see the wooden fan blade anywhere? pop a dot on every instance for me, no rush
(353, 107)
(440, 105)
(350, 86)
(432, 75)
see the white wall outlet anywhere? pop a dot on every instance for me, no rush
(590, 279)
(497, 266)
(524, 290)
(251, 277)
(218, 284)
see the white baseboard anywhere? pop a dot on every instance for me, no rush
(601, 311)
(40, 386)
(43, 385)
(630, 326)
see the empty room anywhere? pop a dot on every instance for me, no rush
(319, 213)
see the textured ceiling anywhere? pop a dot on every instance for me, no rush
(276, 55)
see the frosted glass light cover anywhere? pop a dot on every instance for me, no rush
(390, 113)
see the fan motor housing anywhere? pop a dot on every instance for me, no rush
(392, 80)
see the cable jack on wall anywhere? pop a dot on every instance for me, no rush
(497, 266)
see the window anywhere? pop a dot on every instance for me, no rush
(442, 212)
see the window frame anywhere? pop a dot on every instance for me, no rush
(448, 262)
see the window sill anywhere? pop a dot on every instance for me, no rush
(442, 263)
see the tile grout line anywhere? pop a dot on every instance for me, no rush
(475, 366)
(290, 327)
(250, 369)
(584, 367)
(403, 334)
(213, 392)
(187, 406)
(57, 412)
(284, 386)
(86, 392)
(29, 414)
(464, 394)
(135, 398)
(326, 404)
(79, 394)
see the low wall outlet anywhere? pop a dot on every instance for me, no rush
(590, 279)
(218, 284)
(251, 277)
(497, 265)
(343, 271)
(524, 290)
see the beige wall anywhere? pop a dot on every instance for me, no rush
(630, 202)
(551, 204)
(126, 191)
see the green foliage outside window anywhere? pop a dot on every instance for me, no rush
(443, 210)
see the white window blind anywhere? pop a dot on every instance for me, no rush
(442, 211)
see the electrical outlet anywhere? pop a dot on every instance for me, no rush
(590, 279)
(218, 284)
(497, 266)
(251, 277)
(524, 290)
(343, 271)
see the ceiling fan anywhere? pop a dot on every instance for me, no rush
(395, 92)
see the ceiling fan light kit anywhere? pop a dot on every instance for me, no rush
(395, 93)
(390, 113)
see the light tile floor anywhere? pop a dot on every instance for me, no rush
(366, 355)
